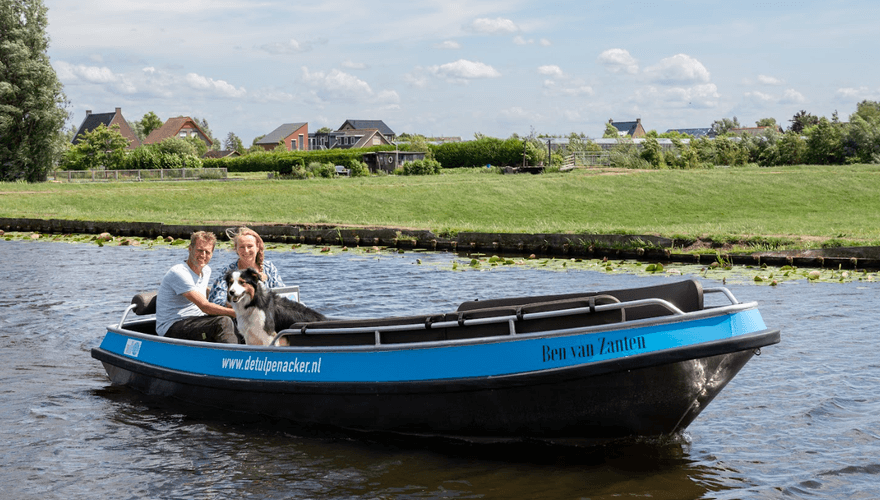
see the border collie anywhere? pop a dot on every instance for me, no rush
(259, 312)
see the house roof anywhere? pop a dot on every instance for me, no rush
(627, 128)
(221, 154)
(172, 127)
(367, 139)
(369, 124)
(95, 120)
(281, 133)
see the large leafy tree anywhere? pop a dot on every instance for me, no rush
(147, 124)
(233, 143)
(100, 148)
(32, 101)
(724, 125)
(802, 121)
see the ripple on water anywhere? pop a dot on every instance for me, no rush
(798, 421)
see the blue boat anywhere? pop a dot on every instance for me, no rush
(578, 368)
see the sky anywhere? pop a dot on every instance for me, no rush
(450, 68)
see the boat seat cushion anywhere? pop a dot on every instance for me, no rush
(145, 303)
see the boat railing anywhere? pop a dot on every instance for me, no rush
(511, 319)
(724, 291)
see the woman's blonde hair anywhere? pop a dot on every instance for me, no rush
(234, 234)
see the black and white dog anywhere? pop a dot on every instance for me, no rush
(259, 312)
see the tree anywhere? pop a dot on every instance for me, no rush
(611, 132)
(869, 111)
(233, 143)
(325, 130)
(824, 143)
(724, 125)
(802, 120)
(766, 122)
(100, 148)
(32, 101)
(147, 124)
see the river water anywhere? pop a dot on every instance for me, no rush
(800, 421)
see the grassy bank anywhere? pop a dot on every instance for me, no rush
(783, 206)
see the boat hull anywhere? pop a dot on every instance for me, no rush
(651, 378)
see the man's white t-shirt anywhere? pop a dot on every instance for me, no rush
(171, 305)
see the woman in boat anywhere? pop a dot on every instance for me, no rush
(250, 248)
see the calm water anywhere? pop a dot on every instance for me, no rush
(800, 421)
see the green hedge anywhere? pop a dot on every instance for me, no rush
(290, 162)
(484, 151)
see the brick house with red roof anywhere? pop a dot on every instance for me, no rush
(181, 126)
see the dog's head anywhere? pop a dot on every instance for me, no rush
(242, 285)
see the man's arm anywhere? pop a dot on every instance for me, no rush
(207, 306)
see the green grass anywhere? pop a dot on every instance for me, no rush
(768, 206)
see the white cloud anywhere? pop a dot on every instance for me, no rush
(291, 46)
(94, 75)
(550, 70)
(769, 80)
(859, 94)
(417, 78)
(273, 95)
(336, 84)
(619, 61)
(697, 96)
(792, 96)
(517, 113)
(448, 45)
(497, 26)
(678, 69)
(759, 97)
(389, 96)
(220, 87)
(544, 42)
(463, 70)
(354, 65)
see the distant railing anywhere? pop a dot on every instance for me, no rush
(159, 174)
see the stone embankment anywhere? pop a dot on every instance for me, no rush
(637, 247)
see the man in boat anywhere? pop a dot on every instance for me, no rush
(183, 310)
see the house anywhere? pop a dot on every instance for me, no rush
(181, 126)
(349, 138)
(633, 130)
(95, 120)
(368, 125)
(292, 135)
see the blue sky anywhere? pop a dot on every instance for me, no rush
(459, 68)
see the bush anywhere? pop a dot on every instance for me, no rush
(357, 168)
(317, 169)
(422, 167)
(487, 151)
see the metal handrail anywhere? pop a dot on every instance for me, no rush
(125, 314)
(490, 320)
(724, 291)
